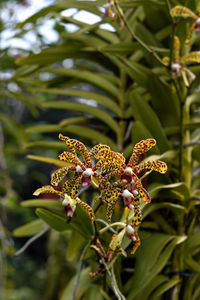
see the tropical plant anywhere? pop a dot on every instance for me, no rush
(121, 89)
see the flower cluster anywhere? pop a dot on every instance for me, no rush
(179, 64)
(116, 181)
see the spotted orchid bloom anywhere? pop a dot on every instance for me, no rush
(68, 201)
(129, 186)
(83, 174)
(179, 64)
(181, 11)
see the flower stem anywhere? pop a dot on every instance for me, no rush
(111, 276)
(110, 226)
(134, 36)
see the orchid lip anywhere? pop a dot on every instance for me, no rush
(65, 202)
(127, 194)
(128, 171)
(130, 229)
(176, 67)
(197, 21)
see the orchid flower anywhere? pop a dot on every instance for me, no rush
(68, 202)
(84, 171)
(83, 175)
(179, 64)
(129, 186)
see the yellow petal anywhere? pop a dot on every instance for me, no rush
(71, 158)
(155, 165)
(182, 11)
(191, 57)
(47, 189)
(97, 148)
(58, 175)
(139, 149)
(176, 49)
(79, 147)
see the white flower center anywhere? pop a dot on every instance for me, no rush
(65, 202)
(127, 194)
(176, 67)
(88, 172)
(130, 229)
(69, 201)
(128, 171)
(197, 21)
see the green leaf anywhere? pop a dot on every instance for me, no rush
(144, 113)
(147, 291)
(43, 128)
(192, 242)
(164, 287)
(42, 203)
(192, 264)
(146, 3)
(75, 246)
(84, 283)
(73, 49)
(84, 76)
(122, 48)
(179, 190)
(14, 129)
(176, 208)
(58, 221)
(136, 71)
(55, 221)
(49, 160)
(94, 111)
(167, 156)
(29, 229)
(105, 101)
(45, 144)
(168, 109)
(152, 256)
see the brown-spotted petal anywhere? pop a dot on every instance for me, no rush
(139, 149)
(156, 165)
(97, 148)
(71, 158)
(58, 175)
(110, 155)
